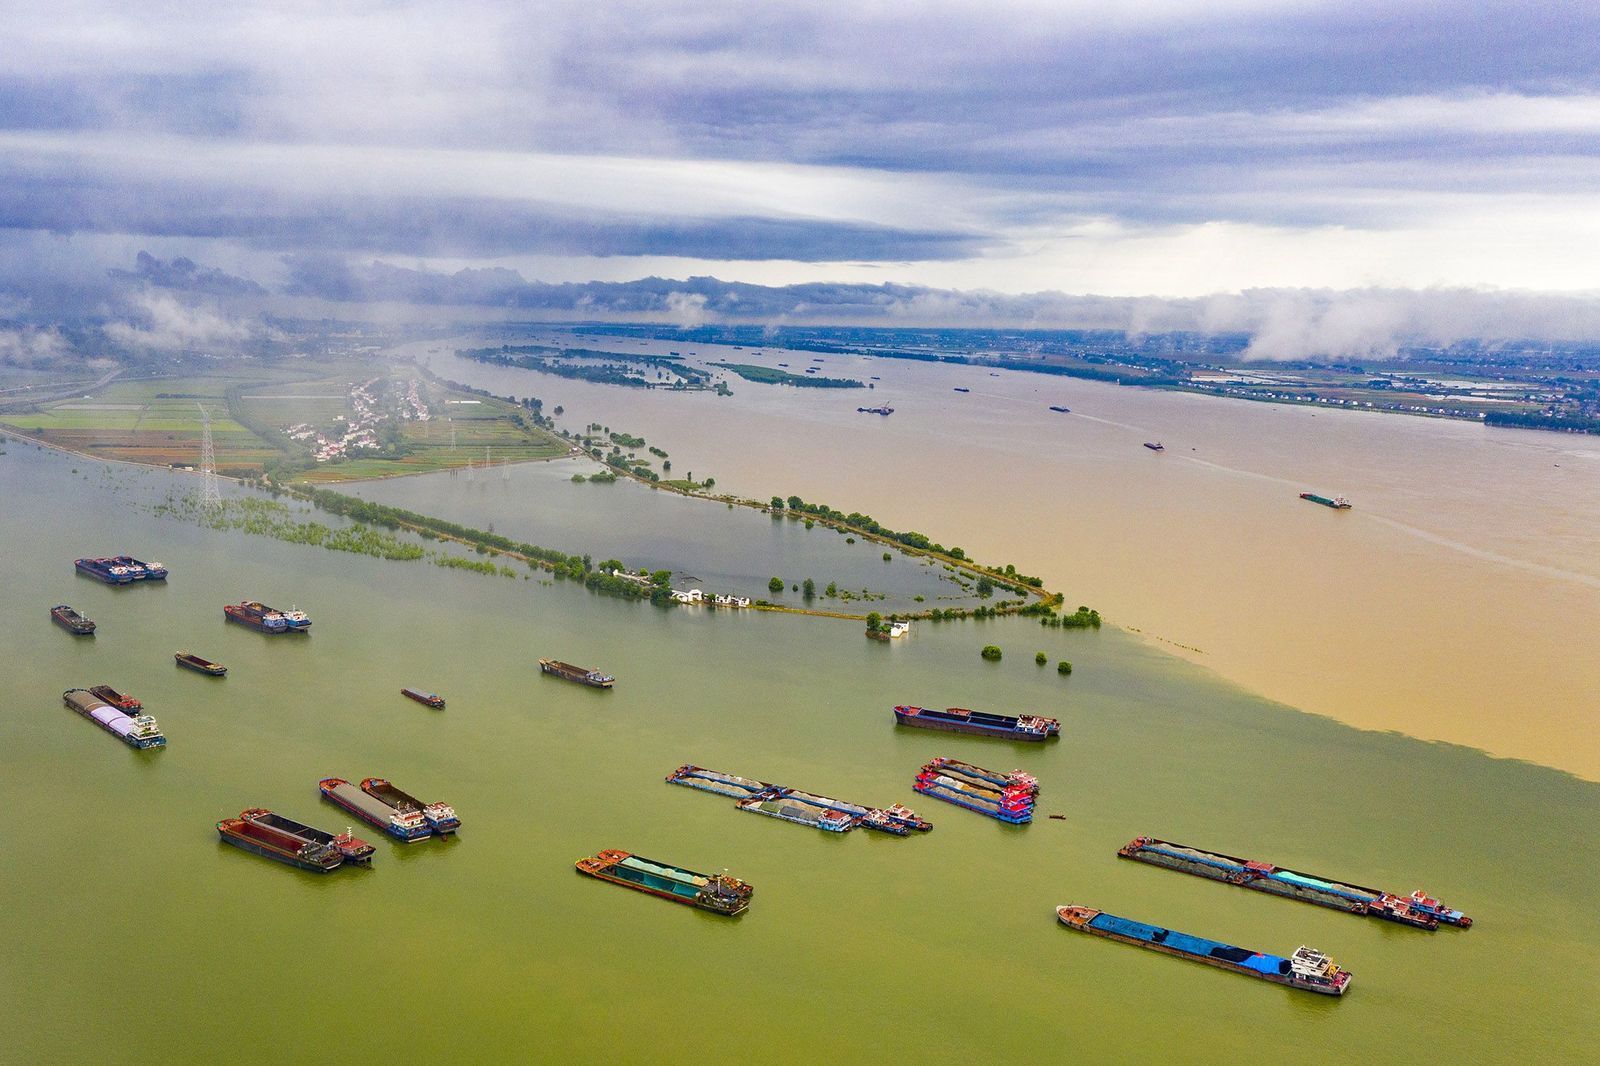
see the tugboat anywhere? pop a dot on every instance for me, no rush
(199, 665)
(717, 893)
(298, 620)
(582, 675)
(429, 699)
(72, 621)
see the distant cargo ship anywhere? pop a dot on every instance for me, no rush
(71, 621)
(1338, 503)
(199, 665)
(1061, 410)
(351, 849)
(1006, 797)
(958, 388)
(136, 731)
(582, 675)
(717, 893)
(120, 569)
(1419, 911)
(1306, 969)
(264, 840)
(1155, 446)
(431, 699)
(961, 720)
(407, 825)
(441, 817)
(875, 410)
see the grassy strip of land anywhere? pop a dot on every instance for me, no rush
(767, 375)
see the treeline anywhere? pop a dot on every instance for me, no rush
(920, 541)
(613, 371)
(1573, 423)
(767, 375)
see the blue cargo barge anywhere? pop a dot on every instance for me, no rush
(120, 569)
(1007, 797)
(1306, 969)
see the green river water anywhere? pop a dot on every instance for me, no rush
(129, 933)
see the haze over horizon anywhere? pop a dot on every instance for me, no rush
(1327, 178)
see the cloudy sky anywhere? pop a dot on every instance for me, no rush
(1152, 148)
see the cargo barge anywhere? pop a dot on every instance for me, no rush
(256, 616)
(199, 665)
(1418, 910)
(441, 817)
(429, 699)
(120, 700)
(1006, 797)
(800, 807)
(568, 672)
(717, 893)
(136, 731)
(351, 849)
(875, 410)
(259, 839)
(980, 723)
(1338, 503)
(1306, 969)
(71, 621)
(1060, 410)
(1155, 445)
(120, 569)
(406, 825)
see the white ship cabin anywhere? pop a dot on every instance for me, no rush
(692, 596)
(1307, 962)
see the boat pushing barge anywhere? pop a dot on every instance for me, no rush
(136, 731)
(199, 665)
(1338, 503)
(1306, 969)
(568, 672)
(429, 699)
(264, 619)
(981, 723)
(1417, 910)
(717, 893)
(272, 843)
(351, 849)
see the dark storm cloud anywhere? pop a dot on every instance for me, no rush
(186, 275)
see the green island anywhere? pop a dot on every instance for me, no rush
(602, 368)
(767, 375)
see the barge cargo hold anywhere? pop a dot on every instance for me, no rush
(441, 817)
(136, 731)
(120, 700)
(716, 781)
(407, 825)
(980, 723)
(1338, 503)
(430, 699)
(120, 569)
(272, 843)
(1306, 969)
(71, 621)
(717, 893)
(568, 672)
(199, 665)
(1418, 910)
(802, 810)
(351, 849)
(256, 616)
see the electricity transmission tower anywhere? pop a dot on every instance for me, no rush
(211, 492)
